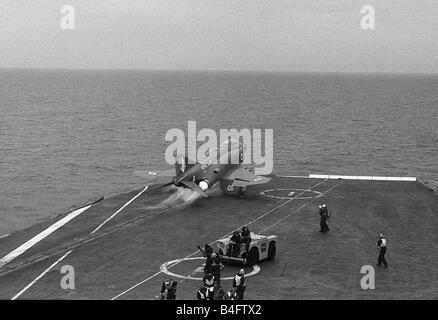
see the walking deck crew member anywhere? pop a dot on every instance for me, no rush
(239, 284)
(381, 245)
(324, 215)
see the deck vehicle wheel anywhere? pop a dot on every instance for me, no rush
(272, 249)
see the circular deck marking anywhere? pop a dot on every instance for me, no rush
(290, 194)
(163, 268)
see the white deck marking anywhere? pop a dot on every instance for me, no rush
(288, 176)
(318, 194)
(135, 286)
(5, 235)
(163, 268)
(27, 245)
(41, 275)
(118, 211)
(371, 178)
(195, 252)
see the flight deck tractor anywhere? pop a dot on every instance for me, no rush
(261, 248)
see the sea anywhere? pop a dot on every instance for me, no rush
(67, 136)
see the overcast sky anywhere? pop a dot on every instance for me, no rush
(277, 35)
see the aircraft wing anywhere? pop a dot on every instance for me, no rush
(243, 178)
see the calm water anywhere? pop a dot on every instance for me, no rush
(68, 136)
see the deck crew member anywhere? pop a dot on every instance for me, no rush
(216, 267)
(237, 239)
(202, 294)
(207, 252)
(324, 215)
(231, 295)
(246, 237)
(218, 292)
(168, 290)
(209, 284)
(381, 245)
(239, 284)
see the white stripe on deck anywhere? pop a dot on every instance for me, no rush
(287, 176)
(40, 276)
(370, 178)
(29, 244)
(117, 212)
(5, 235)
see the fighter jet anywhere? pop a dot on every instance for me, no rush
(227, 172)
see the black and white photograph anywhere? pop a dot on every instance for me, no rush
(233, 150)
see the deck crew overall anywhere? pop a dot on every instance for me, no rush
(239, 284)
(324, 215)
(381, 245)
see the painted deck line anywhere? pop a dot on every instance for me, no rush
(5, 235)
(41, 275)
(370, 178)
(287, 176)
(118, 211)
(29, 244)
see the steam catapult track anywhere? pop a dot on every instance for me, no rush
(124, 247)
